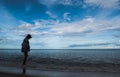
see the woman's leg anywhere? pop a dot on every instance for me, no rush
(25, 58)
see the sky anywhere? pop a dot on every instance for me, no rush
(60, 24)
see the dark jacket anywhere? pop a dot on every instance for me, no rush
(25, 46)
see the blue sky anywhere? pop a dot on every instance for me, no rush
(60, 24)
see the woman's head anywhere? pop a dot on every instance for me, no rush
(28, 36)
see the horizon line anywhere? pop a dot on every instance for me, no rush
(56, 49)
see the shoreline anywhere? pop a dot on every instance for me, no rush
(5, 74)
(11, 72)
(66, 67)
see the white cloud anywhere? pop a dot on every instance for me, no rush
(36, 29)
(84, 3)
(58, 32)
(66, 16)
(119, 41)
(25, 26)
(51, 14)
(104, 3)
(48, 2)
(74, 27)
(88, 25)
(66, 2)
(53, 2)
(63, 2)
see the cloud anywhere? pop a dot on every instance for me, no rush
(63, 2)
(103, 3)
(106, 45)
(1, 39)
(0, 29)
(84, 3)
(47, 2)
(117, 36)
(87, 25)
(66, 16)
(54, 2)
(84, 27)
(70, 28)
(89, 45)
(51, 31)
(51, 15)
(25, 26)
(38, 28)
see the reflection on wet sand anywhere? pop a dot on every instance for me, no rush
(28, 72)
(24, 70)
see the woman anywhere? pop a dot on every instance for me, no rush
(26, 47)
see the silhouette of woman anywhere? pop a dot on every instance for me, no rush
(25, 47)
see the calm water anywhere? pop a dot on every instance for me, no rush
(88, 55)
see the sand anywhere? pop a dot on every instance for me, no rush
(38, 73)
(4, 74)
(56, 70)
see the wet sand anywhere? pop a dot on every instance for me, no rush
(58, 68)
(39, 73)
(38, 66)
(3, 74)
(28, 72)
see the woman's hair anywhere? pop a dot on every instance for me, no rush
(28, 36)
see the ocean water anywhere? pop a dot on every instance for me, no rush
(74, 55)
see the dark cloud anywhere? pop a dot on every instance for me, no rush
(1, 40)
(118, 44)
(89, 45)
(70, 34)
(75, 45)
(0, 29)
(87, 31)
(114, 29)
(117, 36)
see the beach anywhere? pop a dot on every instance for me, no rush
(3, 74)
(49, 63)
(46, 69)
(6, 71)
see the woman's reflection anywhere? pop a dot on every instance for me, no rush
(24, 70)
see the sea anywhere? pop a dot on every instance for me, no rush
(74, 55)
